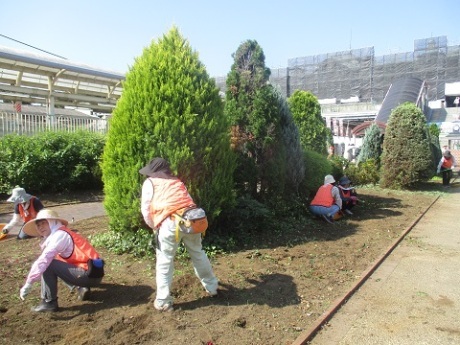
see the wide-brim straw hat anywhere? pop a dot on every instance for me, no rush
(329, 179)
(30, 228)
(19, 195)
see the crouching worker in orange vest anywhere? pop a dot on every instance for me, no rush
(66, 255)
(347, 194)
(163, 194)
(26, 207)
(327, 201)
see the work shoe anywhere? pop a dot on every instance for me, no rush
(349, 212)
(212, 293)
(163, 307)
(327, 219)
(44, 306)
(83, 293)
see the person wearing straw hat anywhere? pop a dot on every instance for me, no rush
(162, 195)
(26, 207)
(445, 166)
(66, 255)
(327, 202)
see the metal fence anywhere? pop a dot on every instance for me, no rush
(29, 124)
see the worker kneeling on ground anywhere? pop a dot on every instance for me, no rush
(347, 194)
(327, 202)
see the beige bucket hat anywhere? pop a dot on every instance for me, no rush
(30, 228)
(329, 179)
(19, 195)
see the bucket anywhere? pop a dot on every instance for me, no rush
(2, 235)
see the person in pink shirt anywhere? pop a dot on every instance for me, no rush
(66, 255)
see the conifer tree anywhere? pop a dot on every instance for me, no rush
(372, 144)
(434, 132)
(407, 156)
(306, 111)
(169, 108)
(261, 122)
(295, 162)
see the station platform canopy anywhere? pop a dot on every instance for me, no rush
(30, 78)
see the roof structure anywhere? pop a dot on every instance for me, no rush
(408, 89)
(39, 79)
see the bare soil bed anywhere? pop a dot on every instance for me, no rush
(266, 296)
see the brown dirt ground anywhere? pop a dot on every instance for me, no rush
(266, 296)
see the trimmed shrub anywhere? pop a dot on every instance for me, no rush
(407, 157)
(51, 161)
(306, 111)
(316, 167)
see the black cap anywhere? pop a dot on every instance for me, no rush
(156, 165)
(344, 180)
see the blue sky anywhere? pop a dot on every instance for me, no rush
(110, 34)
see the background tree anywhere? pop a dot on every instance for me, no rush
(294, 161)
(262, 127)
(306, 111)
(372, 144)
(434, 131)
(407, 156)
(169, 108)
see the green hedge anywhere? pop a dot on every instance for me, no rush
(51, 161)
(316, 167)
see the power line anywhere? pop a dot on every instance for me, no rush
(33, 47)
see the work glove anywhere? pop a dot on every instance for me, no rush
(25, 290)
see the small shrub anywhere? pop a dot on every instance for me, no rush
(363, 173)
(316, 167)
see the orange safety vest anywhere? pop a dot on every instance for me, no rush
(82, 250)
(345, 193)
(32, 211)
(447, 164)
(169, 195)
(323, 196)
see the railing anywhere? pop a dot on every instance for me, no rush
(350, 108)
(29, 124)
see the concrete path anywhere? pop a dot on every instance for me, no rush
(71, 211)
(414, 295)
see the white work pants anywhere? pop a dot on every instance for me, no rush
(165, 252)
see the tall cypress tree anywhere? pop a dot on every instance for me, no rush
(260, 119)
(169, 108)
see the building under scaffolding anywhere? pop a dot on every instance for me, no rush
(359, 74)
